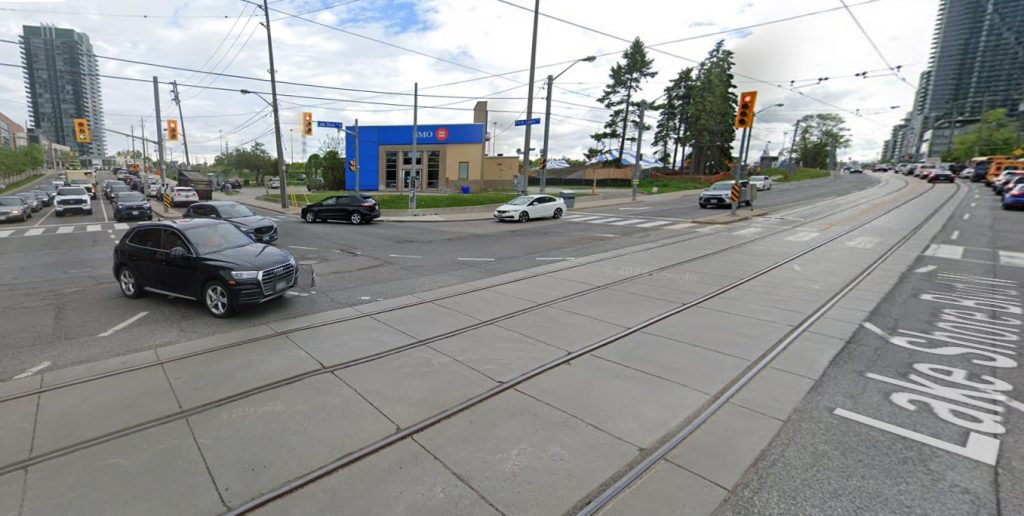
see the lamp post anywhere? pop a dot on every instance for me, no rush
(280, 152)
(547, 119)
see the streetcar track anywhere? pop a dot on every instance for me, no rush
(424, 424)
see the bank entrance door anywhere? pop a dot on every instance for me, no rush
(407, 178)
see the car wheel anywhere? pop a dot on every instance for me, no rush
(88, 212)
(310, 217)
(557, 214)
(356, 218)
(129, 283)
(524, 217)
(703, 206)
(59, 214)
(216, 299)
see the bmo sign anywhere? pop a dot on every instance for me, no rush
(440, 135)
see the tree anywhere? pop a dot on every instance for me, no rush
(627, 80)
(333, 171)
(314, 169)
(671, 129)
(331, 142)
(821, 136)
(994, 135)
(711, 112)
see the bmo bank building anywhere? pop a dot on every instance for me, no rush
(447, 158)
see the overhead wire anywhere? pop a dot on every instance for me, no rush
(878, 51)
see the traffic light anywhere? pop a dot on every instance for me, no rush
(82, 131)
(307, 123)
(745, 109)
(543, 164)
(352, 165)
(172, 130)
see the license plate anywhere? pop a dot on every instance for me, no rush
(281, 285)
(135, 213)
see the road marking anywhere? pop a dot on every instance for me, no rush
(973, 204)
(44, 217)
(300, 247)
(404, 256)
(556, 258)
(627, 222)
(644, 208)
(682, 226)
(979, 447)
(65, 229)
(300, 294)
(602, 221)
(955, 252)
(32, 371)
(5, 234)
(954, 235)
(967, 216)
(120, 225)
(123, 325)
(94, 227)
(34, 232)
(653, 224)
(926, 268)
(863, 242)
(803, 236)
(572, 217)
(604, 235)
(476, 259)
(748, 231)
(705, 229)
(1011, 258)
(581, 219)
(104, 208)
(975, 196)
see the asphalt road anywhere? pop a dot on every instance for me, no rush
(920, 412)
(62, 306)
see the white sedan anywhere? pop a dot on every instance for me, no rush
(761, 182)
(529, 207)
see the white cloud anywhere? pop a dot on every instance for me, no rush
(484, 35)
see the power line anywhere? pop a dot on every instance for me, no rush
(329, 7)
(114, 15)
(878, 51)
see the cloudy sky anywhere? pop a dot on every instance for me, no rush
(373, 51)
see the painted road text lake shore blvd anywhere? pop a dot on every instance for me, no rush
(978, 326)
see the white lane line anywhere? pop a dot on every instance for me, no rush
(706, 229)
(123, 325)
(571, 217)
(1011, 258)
(967, 216)
(926, 268)
(975, 196)
(34, 232)
(556, 258)
(653, 224)
(954, 235)
(603, 221)
(300, 294)
(604, 235)
(954, 252)
(682, 226)
(120, 225)
(104, 208)
(627, 222)
(973, 204)
(476, 259)
(65, 229)
(300, 247)
(581, 219)
(94, 227)
(44, 217)
(803, 236)
(748, 231)
(5, 234)
(32, 371)
(636, 209)
(404, 256)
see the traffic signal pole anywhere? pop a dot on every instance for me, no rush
(181, 119)
(160, 142)
(358, 164)
(415, 136)
(736, 170)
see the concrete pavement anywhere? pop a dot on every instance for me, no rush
(543, 447)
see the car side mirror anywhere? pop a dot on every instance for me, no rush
(178, 252)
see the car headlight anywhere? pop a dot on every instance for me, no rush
(244, 274)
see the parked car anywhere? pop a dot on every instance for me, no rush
(719, 194)
(526, 207)
(1014, 198)
(761, 182)
(999, 185)
(317, 183)
(43, 198)
(211, 261)
(115, 189)
(32, 201)
(72, 199)
(260, 229)
(357, 209)
(132, 205)
(941, 176)
(153, 190)
(14, 208)
(183, 196)
(273, 183)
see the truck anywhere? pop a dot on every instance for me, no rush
(83, 178)
(197, 181)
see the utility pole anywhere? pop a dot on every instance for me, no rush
(791, 165)
(132, 130)
(181, 121)
(529, 100)
(415, 135)
(291, 143)
(145, 153)
(277, 118)
(547, 127)
(220, 136)
(639, 148)
(359, 164)
(160, 141)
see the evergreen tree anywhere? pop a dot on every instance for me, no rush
(671, 129)
(711, 112)
(619, 95)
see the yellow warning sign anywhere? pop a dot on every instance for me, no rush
(735, 193)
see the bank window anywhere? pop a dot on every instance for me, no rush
(464, 170)
(433, 169)
(391, 169)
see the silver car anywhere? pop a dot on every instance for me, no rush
(14, 208)
(31, 200)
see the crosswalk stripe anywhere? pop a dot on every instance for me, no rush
(581, 219)
(955, 252)
(627, 222)
(94, 227)
(572, 217)
(802, 236)
(653, 224)
(120, 225)
(603, 221)
(1011, 258)
(65, 229)
(748, 231)
(5, 234)
(34, 232)
(681, 226)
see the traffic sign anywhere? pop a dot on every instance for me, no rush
(1018, 152)
(528, 121)
(734, 195)
(332, 125)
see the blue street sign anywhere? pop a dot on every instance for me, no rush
(332, 125)
(529, 121)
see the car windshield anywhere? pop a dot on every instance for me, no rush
(234, 211)
(80, 181)
(130, 197)
(217, 237)
(115, 188)
(10, 201)
(71, 191)
(520, 201)
(722, 186)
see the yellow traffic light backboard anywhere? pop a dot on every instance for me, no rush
(745, 109)
(172, 130)
(307, 123)
(82, 131)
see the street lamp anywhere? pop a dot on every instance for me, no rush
(283, 188)
(547, 118)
